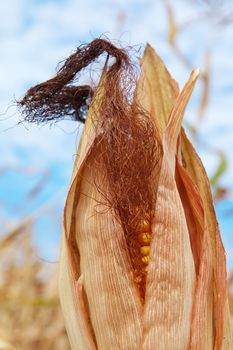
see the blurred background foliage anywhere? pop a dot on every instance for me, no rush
(30, 313)
(29, 305)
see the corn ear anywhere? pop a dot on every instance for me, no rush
(185, 300)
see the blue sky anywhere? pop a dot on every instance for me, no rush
(36, 35)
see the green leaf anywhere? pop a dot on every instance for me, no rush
(221, 169)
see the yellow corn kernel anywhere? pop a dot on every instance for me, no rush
(145, 226)
(145, 237)
(145, 269)
(145, 250)
(145, 259)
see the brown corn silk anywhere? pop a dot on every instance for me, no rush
(126, 154)
(124, 130)
(59, 97)
(134, 162)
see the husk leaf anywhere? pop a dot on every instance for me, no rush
(158, 90)
(96, 281)
(209, 314)
(70, 280)
(171, 275)
(221, 323)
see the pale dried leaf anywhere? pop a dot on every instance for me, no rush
(112, 299)
(175, 120)
(198, 175)
(73, 306)
(69, 273)
(158, 91)
(205, 95)
(172, 28)
(201, 332)
(171, 276)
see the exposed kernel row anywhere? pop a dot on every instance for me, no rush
(144, 236)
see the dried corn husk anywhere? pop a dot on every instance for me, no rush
(185, 304)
